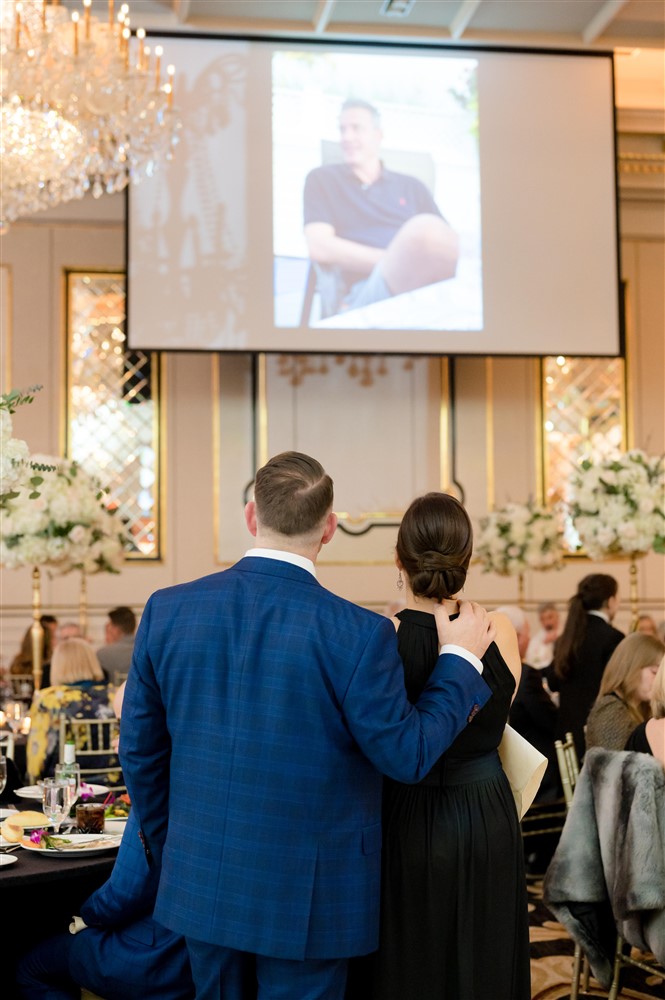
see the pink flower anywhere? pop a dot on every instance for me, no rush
(36, 836)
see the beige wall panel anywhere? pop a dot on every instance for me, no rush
(233, 456)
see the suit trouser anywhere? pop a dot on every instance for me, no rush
(44, 971)
(226, 974)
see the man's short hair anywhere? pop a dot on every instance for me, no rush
(124, 619)
(293, 494)
(546, 606)
(358, 102)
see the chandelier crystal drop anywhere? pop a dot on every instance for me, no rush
(85, 107)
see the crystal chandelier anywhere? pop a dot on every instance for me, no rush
(84, 105)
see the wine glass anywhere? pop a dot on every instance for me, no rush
(3, 774)
(56, 800)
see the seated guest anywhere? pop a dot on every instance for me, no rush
(116, 656)
(625, 690)
(647, 625)
(533, 713)
(649, 737)
(68, 630)
(115, 948)
(78, 690)
(22, 662)
(540, 651)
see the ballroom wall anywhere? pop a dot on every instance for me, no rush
(382, 441)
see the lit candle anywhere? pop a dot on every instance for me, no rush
(125, 34)
(140, 34)
(2, 719)
(86, 14)
(75, 24)
(25, 725)
(171, 74)
(159, 51)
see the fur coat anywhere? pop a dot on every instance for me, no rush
(608, 872)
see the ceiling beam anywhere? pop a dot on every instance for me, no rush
(601, 19)
(462, 17)
(181, 9)
(322, 15)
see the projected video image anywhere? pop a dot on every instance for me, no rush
(376, 191)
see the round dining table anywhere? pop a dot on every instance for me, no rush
(39, 895)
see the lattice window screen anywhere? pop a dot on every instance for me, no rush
(113, 424)
(584, 414)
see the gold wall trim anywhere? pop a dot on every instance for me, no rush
(262, 454)
(540, 423)
(489, 432)
(444, 427)
(642, 163)
(628, 376)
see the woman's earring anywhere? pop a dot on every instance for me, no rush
(400, 581)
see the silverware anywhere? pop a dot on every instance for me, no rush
(8, 850)
(101, 841)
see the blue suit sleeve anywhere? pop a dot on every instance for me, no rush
(130, 892)
(402, 740)
(145, 746)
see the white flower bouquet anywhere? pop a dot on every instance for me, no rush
(67, 526)
(18, 474)
(618, 505)
(518, 537)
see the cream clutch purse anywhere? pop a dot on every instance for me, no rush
(524, 767)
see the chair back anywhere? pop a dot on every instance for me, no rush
(569, 766)
(94, 749)
(22, 685)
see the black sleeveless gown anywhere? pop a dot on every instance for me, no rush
(454, 922)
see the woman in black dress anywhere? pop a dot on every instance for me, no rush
(581, 653)
(454, 922)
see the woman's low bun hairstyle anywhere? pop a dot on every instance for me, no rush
(434, 545)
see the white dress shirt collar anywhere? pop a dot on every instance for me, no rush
(281, 556)
(600, 614)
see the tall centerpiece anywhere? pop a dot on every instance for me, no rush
(618, 510)
(519, 537)
(52, 513)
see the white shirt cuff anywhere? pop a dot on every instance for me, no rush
(77, 925)
(449, 647)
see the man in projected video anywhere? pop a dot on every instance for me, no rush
(373, 233)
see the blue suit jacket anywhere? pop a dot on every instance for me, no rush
(259, 712)
(123, 953)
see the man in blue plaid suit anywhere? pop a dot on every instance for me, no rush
(259, 715)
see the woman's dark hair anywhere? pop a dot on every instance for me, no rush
(593, 593)
(434, 545)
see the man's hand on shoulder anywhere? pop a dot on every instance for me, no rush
(474, 630)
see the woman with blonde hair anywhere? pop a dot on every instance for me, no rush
(649, 737)
(78, 690)
(624, 693)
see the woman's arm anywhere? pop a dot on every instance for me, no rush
(506, 640)
(655, 733)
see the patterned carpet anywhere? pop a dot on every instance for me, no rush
(552, 955)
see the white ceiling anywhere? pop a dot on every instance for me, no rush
(549, 23)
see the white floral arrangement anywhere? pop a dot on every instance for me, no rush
(66, 526)
(518, 537)
(618, 504)
(18, 474)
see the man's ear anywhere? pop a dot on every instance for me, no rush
(250, 517)
(330, 528)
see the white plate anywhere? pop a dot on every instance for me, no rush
(7, 859)
(4, 813)
(78, 839)
(35, 791)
